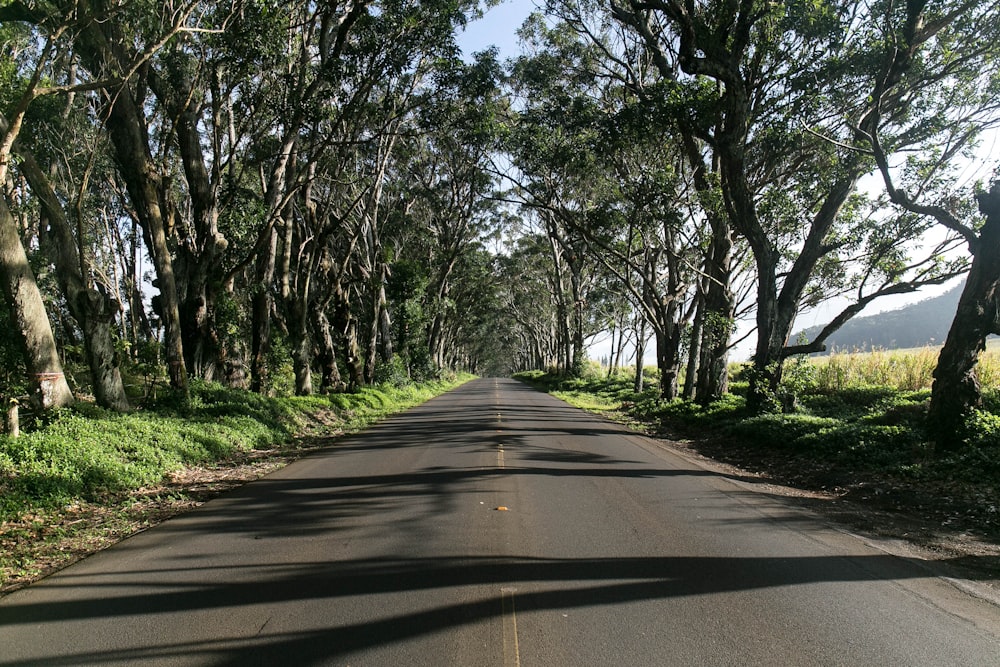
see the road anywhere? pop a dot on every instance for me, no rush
(495, 525)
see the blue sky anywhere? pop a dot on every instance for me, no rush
(497, 28)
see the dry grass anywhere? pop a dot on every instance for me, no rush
(905, 370)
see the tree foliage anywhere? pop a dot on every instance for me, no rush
(259, 192)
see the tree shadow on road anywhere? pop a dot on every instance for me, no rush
(543, 584)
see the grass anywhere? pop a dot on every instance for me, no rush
(857, 432)
(906, 370)
(87, 477)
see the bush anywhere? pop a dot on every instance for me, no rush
(781, 430)
(393, 373)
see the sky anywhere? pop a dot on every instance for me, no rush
(499, 26)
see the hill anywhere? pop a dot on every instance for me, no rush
(923, 323)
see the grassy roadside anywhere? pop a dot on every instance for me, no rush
(862, 446)
(88, 478)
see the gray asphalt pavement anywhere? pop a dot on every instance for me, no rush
(497, 526)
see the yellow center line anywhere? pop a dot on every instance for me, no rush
(511, 652)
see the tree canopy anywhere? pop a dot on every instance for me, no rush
(257, 192)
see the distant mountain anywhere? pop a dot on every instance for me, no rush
(923, 323)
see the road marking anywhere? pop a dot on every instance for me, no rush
(511, 652)
(500, 459)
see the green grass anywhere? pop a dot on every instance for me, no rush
(89, 454)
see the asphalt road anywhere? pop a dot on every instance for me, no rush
(390, 549)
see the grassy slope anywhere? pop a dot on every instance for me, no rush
(88, 477)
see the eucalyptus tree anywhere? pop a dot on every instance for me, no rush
(115, 45)
(45, 374)
(956, 391)
(452, 181)
(524, 274)
(347, 162)
(479, 337)
(92, 309)
(770, 87)
(554, 173)
(608, 178)
(90, 302)
(933, 89)
(653, 107)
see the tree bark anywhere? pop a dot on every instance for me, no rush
(956, 391)
(668, 362)
(691, 375)
(301, 343)
(45, 374)
(96, 45)
(348, 325)
(640, 352)
(327, 356)
(719, 307)
(262, 307)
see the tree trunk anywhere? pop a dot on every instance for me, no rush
(385, 329)
(694, 350)
(301, 344)
(348, 326)
(668, 360)
(128, 135)
(371, 348)
(201, 244)
(640, 352)
(719, 309)
(579, 353)
(262, 301)
(327, 355)
(93, 310)
(956, 391)
(45, 374)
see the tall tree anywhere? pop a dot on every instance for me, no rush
(956, 391)
(788, 175)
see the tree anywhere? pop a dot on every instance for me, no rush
(46, 378)
(788, 172)
(933, 89)
(956, 391)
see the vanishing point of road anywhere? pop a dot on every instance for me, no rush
(495, 525)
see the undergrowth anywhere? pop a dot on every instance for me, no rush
(86, 453)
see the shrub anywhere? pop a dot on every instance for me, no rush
(782, 430)
(394, 372)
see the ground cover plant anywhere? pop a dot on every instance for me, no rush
(87, 477)
(854, 431)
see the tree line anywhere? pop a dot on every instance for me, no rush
(332, 187)
(291, 183)
(725, 160)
